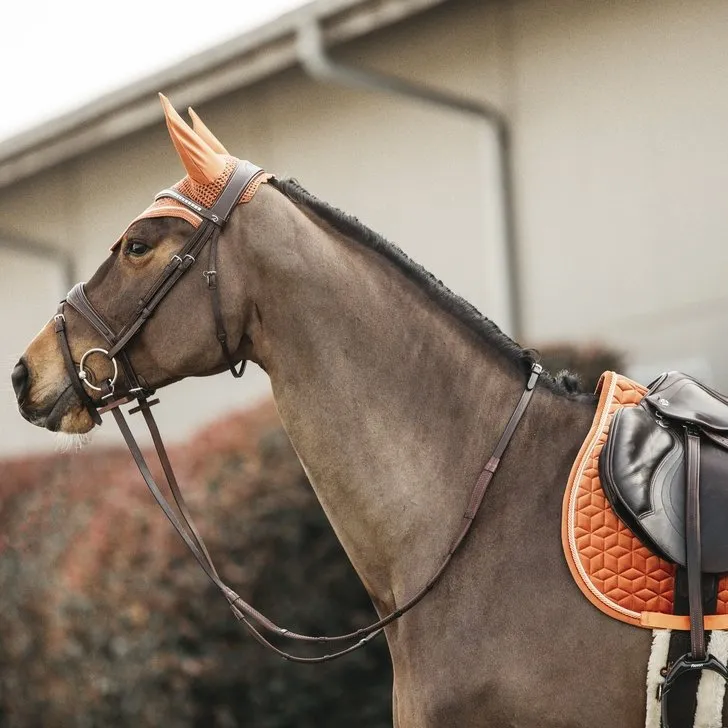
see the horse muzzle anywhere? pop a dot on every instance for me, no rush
(58, 411)
(20, 377)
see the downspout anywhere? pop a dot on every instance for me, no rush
(317, 63)
(41, 250)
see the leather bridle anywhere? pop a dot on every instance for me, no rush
(244, 178)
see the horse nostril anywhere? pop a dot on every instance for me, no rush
(20, 379)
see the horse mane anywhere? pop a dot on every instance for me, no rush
(564, 383)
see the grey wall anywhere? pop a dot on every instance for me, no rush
(619, 113)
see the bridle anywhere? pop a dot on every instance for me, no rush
(242, 181)
(243, 178)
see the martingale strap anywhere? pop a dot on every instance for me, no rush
(243, 611)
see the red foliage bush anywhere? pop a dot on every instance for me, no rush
(106, 619)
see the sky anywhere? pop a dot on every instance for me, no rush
(57, 56)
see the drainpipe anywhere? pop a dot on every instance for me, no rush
(317, 63)
(41, 250)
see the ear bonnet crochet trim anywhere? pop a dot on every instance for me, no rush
(207, 163)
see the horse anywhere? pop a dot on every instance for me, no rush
(393, 391)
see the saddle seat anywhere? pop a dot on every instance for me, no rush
(626, 576)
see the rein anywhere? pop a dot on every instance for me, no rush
(243, 181)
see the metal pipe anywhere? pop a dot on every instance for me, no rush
(317, 63)
(42, 250)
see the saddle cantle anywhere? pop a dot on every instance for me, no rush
(642, 468)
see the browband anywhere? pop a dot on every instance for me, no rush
(242, 178)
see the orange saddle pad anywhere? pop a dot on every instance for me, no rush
(614, 570)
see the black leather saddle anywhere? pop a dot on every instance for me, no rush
(643, 468)
(664, 470)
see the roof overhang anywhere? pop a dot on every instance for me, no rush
(232, 65)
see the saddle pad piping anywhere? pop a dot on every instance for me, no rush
(575, 480)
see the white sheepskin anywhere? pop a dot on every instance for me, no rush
(711, 689)
(658, 660)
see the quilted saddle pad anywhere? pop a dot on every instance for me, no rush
(614, 570)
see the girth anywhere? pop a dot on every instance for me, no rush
(244, 178)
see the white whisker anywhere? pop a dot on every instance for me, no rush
(66, 442)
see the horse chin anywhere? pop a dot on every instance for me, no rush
(76, 421)
(64, 415)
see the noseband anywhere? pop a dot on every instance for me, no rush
(243, 180)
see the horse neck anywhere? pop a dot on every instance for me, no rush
(391, 403)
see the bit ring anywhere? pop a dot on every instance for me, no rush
(83, 376)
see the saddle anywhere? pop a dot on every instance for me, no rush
(644, 463)
(664, 470)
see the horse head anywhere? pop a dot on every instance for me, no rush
(143, 275)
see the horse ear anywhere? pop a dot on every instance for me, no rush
(203, 132)
(203, 164)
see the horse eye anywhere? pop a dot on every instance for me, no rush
(134, 247)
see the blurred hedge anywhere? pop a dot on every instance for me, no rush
(588, 362)
(106, 619)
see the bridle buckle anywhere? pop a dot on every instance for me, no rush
(211, 276)
(183, 261)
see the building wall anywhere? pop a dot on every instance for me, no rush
(618, 113)
(29, 292)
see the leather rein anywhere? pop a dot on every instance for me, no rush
(243, 179)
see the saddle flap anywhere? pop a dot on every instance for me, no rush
(677, 396)
(638, 466)
(642, 470)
